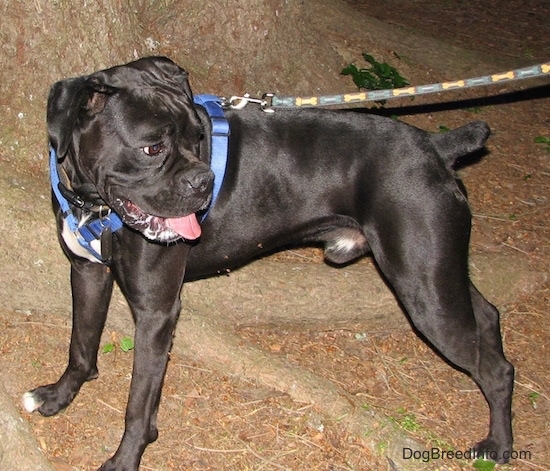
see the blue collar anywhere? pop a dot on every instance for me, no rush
(219, 144)
(88, 231)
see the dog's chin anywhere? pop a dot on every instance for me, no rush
(157, 228)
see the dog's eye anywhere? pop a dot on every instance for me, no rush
(153, 150)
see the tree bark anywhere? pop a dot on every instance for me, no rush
(229, 47)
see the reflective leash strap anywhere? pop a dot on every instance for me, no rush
(269, 102)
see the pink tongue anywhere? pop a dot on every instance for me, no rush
(188, 227)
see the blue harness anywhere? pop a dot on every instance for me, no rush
(86, 232)
(219, 142)
(93, 230)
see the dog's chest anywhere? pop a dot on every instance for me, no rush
(71, 240)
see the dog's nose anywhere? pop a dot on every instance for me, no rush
(198, 179)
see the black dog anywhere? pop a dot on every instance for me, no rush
(129, 139)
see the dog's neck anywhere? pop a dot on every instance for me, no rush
(85, 198)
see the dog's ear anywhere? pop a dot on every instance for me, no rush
(171, 69)
(185, 84)
(71, 103)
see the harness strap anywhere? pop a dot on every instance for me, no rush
(87, 232)
(220, 141)
(63, 202)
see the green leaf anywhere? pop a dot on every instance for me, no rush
(108, 347)
(542, 140)
(379, 76)
(126, 344)
(349, 70)
(358, 80)
(474, 109)
(533, 398)
(385, 70)
(369, 58)
(400, 81)
(484, 465)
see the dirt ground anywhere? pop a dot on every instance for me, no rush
(215, 420)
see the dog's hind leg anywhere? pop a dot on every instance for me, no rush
(92, 286)
(495, 378)
(451, 314)
(422, 249)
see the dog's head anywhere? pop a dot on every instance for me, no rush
(130, 136)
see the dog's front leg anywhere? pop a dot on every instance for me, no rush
(152, 345)
(92, 285)
(151, 283)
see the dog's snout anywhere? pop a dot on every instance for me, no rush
(198, 179)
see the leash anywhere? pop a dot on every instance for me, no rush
(97, 229)
(269, 101)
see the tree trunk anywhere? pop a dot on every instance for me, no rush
(229, 47)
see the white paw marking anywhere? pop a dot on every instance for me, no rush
(29, 402)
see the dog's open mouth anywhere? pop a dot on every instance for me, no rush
(159, 228)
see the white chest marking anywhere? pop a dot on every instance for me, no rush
(74, 246)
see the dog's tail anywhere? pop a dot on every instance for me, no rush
(461, 141)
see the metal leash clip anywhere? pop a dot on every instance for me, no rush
(239, 102)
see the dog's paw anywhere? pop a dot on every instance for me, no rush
(31, 402)
(108, 466)
(47, 400)
(115, 464)
(489, 449)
